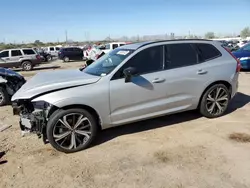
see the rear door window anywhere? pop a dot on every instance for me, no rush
(16, 53)
(57, 48)
(51, 49)
(4, 54)
(207, 51)
(28, 52)
(180, 55)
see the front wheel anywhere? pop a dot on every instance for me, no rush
(215, 101)
(71, 130)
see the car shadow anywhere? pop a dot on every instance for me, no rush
(40, 68)
(1, 155)
(239, 101)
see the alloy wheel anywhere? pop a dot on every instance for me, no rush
(217, 101)
(72, 131)
(27, 66)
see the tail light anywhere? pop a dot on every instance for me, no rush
(238, 67)
(38, 57)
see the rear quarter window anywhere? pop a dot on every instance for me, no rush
(29, 52)
(207, 51)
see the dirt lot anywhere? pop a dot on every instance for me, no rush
(177, 151)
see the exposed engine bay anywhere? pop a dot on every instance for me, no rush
(10, 83)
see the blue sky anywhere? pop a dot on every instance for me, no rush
(47, 20)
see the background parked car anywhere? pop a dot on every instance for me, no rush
(243, 54)
(25, 58)
(52, 50)
(44, 55)
(111, 46)
(70, 53)
(10, 82)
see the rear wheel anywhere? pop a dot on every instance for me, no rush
(4, 97)
(49, 58)
(27, 66)
(71, 130)
(215, 101)
(66, 59)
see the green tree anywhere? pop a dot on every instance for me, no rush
(209, 35)
(245, 32)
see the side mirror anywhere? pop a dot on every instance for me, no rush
(129, 73)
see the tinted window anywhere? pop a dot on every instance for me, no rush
(208, 51)
(51, 49)
(4, 54)
(246, 47)
(57, 49)
(115, 46)
(146, 61)
(16, 53)
(28, 52)
(180, 55)
(77, 49)
(122, 44)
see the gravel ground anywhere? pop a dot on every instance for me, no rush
(177, 151)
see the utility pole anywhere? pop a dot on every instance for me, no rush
(66, 36)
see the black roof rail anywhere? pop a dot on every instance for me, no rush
(153, 42)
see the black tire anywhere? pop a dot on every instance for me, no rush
(4, 97)
(27, 66)
(49, 58)
(53, 121)
(204, 102)
(66, 59)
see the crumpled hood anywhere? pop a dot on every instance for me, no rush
(53, 80)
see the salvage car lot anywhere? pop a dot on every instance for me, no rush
(182, 150)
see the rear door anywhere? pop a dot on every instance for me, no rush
(15, 57)
(4, 55)
(184, 76)
(191, 68)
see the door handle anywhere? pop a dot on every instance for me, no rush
(158, 80)
(201, 72)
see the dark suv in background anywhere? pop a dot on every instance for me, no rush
(70, 53)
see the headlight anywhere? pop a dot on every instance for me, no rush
(41, 105)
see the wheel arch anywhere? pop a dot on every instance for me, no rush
(85, 107)
(227, 84)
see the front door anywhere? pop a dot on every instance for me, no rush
(142, 97)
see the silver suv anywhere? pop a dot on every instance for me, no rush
(25, 58)
(131, 83)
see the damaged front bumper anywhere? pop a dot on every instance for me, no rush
(33, 117)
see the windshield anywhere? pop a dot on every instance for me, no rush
(108, 62)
